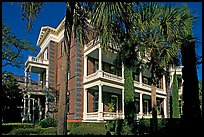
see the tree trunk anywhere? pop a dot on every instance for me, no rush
(62, 114)
(62, 109)
(175, 97)
(168, 91)
(154, 109)
(191, 108)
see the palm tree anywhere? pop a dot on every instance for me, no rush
(190, 85)
(156, 43)
(76, 24)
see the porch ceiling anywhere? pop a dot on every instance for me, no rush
(108, 89)
(107, 56)
(35, 69)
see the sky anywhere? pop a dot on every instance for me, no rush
(52, 14)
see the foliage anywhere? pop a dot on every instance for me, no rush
(129, 93)
(48, 122)
(30, 10)
(175, 97)
(34, 131)
(12, 48)
(114, 126)
(191, 107)
(111, 107)
(126, 128)
(11, 98)
(87, 129)
(7, 127)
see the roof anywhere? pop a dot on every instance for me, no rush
(45, 30)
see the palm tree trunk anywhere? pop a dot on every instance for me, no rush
(62, 110)
(191, 109)
(168, 91)
(154, 109)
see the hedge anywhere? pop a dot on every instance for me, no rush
(48, 122)
(7, 127)
(86, 128)
(34, 131)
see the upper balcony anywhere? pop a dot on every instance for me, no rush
(36, 65)
(100, 74)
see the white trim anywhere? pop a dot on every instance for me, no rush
(50, 37)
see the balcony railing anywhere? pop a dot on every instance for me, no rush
(105, 75)
(115, 78)
(106, 116)
(112, 115)
(91, 44)
(146, 87)
(111, 76)
(37, 60)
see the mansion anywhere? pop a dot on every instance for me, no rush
(94, 83)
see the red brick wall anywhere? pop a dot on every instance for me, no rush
(90, 66)
(90, 102)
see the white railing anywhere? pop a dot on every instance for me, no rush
(91, 44)
(36, 60)
(102, 74)
(112, 115)
(111, 76)
(106, 116)
(146, 87)
(92, 115)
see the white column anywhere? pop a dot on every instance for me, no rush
(24, 107)
(46, 77)
(123, 104)
(122, 70)
(100, 58)
(40, 110)
(29, 77)
(46, 106)
(41, 80)
(29, 80)
(29, 115)
(141, 104)
(165, 108)
(85, 66)
(140, 77)
(85, 104)
(26, 75)
(164, 84)
(100, 105)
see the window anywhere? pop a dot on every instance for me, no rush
(159, 108)
(114, 100)
(136, 76)
(95, 101)
(137, 105)
(96, 65)
(146, 107)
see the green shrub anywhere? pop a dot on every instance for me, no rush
(7, 127)
(48, 131)
(86, 128)
(22, 131)
(34, 131)
(72, 125)
(126, 128)
(48, 122)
